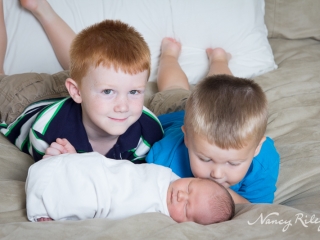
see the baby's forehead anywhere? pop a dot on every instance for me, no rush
(207, 185)
(209, 188)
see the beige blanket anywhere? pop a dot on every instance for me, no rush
(293, 91)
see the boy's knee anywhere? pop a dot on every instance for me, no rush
(172, 100)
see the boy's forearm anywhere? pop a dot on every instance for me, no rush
(236, 197)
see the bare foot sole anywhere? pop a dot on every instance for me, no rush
(218, 54)
(170, 46)
(30, 5)
(43, 219)
(36, 6)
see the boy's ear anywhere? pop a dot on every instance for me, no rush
(183, 128)
(259, 146)
(73, 90)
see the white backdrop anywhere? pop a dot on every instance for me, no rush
(235, 25)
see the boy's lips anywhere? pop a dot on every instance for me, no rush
(118, 119)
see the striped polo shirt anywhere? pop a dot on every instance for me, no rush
(45, 121)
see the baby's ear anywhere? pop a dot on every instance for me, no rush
(73, 90)
(259, 146)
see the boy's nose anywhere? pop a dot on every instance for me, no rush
(182, 195)
(121, 104)
(216, 172)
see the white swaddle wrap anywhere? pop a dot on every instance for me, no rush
(89, 185)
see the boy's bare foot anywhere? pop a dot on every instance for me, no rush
(218, 54)
(170, 46)
(58, 32)
(37, 7)
(43, 219)
(218, 61)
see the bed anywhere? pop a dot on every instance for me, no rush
(275, 42)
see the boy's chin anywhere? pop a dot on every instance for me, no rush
(117, 132)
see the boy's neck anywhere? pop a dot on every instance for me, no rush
(100, 141)
(103, 145)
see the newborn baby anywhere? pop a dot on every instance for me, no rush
(89, 185)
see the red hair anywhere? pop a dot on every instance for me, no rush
(110, 43)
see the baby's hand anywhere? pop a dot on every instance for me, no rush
(60, 146)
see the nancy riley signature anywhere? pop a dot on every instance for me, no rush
(300, 218)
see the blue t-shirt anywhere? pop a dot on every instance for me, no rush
(258, 185)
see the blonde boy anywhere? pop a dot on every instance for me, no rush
(221, 133)
(109, 69)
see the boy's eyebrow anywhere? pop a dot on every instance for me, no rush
(111, 86)
(139, 87)
(229, 160)
(237, 160)
(201, 155)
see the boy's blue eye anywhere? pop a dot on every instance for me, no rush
(107, 91)
(134, 92)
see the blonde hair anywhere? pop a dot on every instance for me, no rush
(110, 43)
(228, 110)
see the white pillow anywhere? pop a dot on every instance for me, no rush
(235, 25)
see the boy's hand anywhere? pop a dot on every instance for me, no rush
(60, 146)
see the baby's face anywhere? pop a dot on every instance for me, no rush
(225, 166)
(187, 199)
